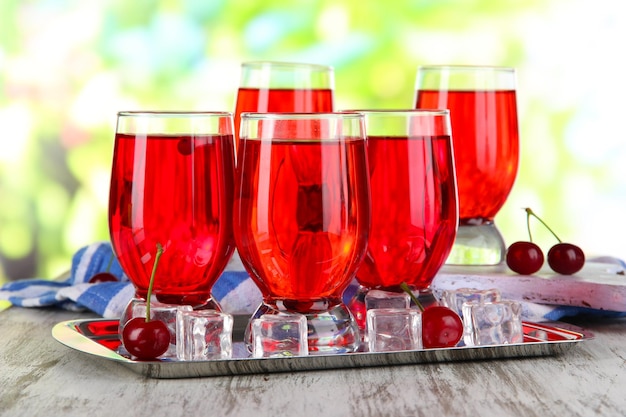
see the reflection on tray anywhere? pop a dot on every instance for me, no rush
(105, 332)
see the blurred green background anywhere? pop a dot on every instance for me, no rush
(67, 67)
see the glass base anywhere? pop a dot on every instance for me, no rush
(356, 305)
(477, 244)
(332, 331)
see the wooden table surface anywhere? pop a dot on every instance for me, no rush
(41, 377)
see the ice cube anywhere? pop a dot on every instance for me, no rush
(454, 299)
(393, 329)
(492, 323)
(204, 335)
(386, 299)
(279, 335)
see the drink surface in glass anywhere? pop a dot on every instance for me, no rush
(301, 216)
(483, 113)
(173, 186)
(274, 87)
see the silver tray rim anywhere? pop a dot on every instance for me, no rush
(66, 334)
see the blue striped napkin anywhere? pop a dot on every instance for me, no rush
(234, 290)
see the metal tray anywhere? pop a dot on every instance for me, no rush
(99, 338)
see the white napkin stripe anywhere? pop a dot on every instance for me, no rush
(118, 302)
(34, 291)
(245, 299)
(85, 260)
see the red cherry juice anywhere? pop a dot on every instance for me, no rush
(264, 100)
(486, 146)
(302, 218)
(176, 191)
(414, 210)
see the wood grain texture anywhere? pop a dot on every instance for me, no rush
(39, 376)
(597, 285)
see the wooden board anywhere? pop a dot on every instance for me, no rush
(598, 285)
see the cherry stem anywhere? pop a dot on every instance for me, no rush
(530, 235)
(532, 213)
(159, 252)
(407, 290)
(110, 263)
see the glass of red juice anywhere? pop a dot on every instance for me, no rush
(172, 183)
(302, 217)
(483, 114)
(414, 202)
(278, 87)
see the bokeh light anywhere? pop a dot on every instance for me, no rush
(67, 67)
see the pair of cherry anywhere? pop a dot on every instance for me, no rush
(526, 258)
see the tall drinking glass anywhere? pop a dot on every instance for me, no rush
(279, 87)
(172, 183)
(414, 201)
(302, 217)
(483, 113)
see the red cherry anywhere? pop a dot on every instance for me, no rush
(525, 258)
(146, 339)
(565, 258)
(103, 277)
(441, 327)
(142, 337)
(185, 146)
